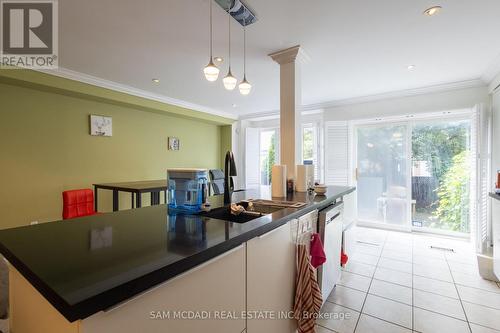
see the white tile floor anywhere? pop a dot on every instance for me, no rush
(397, 283)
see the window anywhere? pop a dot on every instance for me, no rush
(268, 155)
(310, 148)
(308, 151)
(261, 153)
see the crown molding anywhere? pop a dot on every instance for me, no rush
(274, 114)
(475, 83)
(491, 75)
(269, 114)
(494, 84)
(102, 83)
(92, 80)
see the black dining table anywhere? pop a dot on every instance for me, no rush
(136, 189)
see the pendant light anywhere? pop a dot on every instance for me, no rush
(229, 81)
(211, 71)
(245, 87)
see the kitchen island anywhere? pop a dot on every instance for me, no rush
(151, 271)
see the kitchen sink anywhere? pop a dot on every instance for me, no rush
(254, 212)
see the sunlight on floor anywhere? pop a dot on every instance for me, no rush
(402, 282)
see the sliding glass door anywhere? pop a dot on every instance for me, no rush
(415, 175)
(382, 174)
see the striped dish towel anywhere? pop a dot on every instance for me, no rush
(308, 297)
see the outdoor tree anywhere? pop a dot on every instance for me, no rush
(445, 148)
(271, 157)
(453, 194)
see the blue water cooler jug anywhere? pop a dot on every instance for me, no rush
(187, 190)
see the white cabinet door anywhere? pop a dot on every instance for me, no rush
(271, 279)
(218, 285)
(350, 220)
(350, 207)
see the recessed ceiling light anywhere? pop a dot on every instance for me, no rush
(156, 80)
(433, 10)
(219, 59)
(234, 105)
(411, 67)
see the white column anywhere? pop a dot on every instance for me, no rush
(290, 100)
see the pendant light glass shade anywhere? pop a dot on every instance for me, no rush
(229, 81)
(211, 71)
(245, 87)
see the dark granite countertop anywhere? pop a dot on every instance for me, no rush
(85, 265)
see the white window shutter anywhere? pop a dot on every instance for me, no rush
(337, 153)
(480, 180)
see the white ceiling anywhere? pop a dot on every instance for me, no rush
(356, 48)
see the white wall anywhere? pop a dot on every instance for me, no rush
(235, 148)
(442, 101)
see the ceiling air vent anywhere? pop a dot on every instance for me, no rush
(239, 11)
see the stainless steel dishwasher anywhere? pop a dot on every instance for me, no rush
(330, 224)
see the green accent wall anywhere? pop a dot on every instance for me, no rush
(226, 143)
(59, 85)
(45, 146)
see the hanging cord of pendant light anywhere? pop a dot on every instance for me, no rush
(211, 32)
(245, 87)
(229, 81)
(245, 51)
(211, 71)
(229, 34)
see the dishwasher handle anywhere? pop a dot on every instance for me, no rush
(332, 218)
(331, 212)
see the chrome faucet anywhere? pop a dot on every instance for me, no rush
(229, 173)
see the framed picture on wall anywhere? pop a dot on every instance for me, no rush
(101, 125)
(173, 143)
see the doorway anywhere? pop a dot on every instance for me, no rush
(261, 153)
(268, 154)
(415, 175)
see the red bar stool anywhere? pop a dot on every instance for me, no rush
(78, 203)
